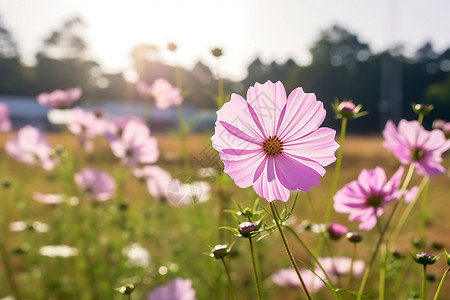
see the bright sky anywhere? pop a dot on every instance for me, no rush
(273, 30)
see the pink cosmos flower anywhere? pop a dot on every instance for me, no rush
(156, 179)
(411, 194)
(443, 126)
(366, 198)
(185, 194)
(274, 142)
(177, 289)
(116, 126)
(335, 268)
(135, 145)
(5, 122)
(48, 198)
(60, 98)
(86, 125)
(410, 142)
(31, 147)
(97, 184)
(162, 91)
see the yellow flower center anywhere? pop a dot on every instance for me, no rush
(273, 146)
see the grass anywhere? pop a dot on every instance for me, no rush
(177, 238)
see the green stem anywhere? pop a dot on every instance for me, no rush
(288, 250)
(255, 272)
(420, 119)
(406, 213)
(424, 283)
(230, 283)
(382, 274)
(350, 273)
(424, 208)
(316, 260)
(375, 252)
(220, 91)
(337, 171)
(9, 272)
(438, 291)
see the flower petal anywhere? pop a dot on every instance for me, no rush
(268, 185)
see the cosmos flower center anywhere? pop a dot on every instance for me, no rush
(374, 201)
(273, 145)
(418, 154)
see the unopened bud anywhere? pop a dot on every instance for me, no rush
(127, 289)
(336, 230)
(422, 109)
(354, 237)
(219, 251)
(248, 229)
(425, 258)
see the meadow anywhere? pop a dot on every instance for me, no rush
(179, 239)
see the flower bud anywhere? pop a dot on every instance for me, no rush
(217, 52)
(397, 255)
(248, 229)
(447, 257)
(219, 251)
(425, 258)
(336, 230)
(422, 109)
(347, 109)
(126, 289)
(6, 183)
(354, 237)
(418, 243)
(172, 47)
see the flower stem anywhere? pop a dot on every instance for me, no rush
(438, 291)
(423, 208)
(350, 273)
(288, 250)
(424, 283)
(9, 272)
(337, 171)
(330, 283)
(230, 283)
(255, 272)
(374, 254)
(381, 292)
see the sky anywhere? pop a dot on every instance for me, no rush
(244, 29)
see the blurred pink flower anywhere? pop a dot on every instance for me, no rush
(443, 126)
(156, 179)
(31, 147)
(335, 267)
(162, 91)
(116, 126)
(411, 194)
(336, 230)
(5, 122)
(410, 142)
(177, 289)
(366, 198)
(48, 198)
(97, 184)
(340, 266)
(185, 194)
(136, 145)
(86, 125)
(272, 142)
(60, 98)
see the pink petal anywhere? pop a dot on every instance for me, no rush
(303, 115)
(268, 185)
(267, 100)
(241, 167)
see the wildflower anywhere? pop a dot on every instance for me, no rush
(340, 266)
(116, 126)
(135, 145)
(288, 278)
(33, 226)
(185, 194)
(411, 194)
(348, 109)
(336, 230)
(366, 198)
(162, 91)
(60, 98)
(443, 126)
(5, 122)
(97, 184)
(58, 251)
(86, 125)
(156, 179)
(138, 256)
(177, 289)
(410, 142)
(31, 147)
(48, 198)
(272, 142)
